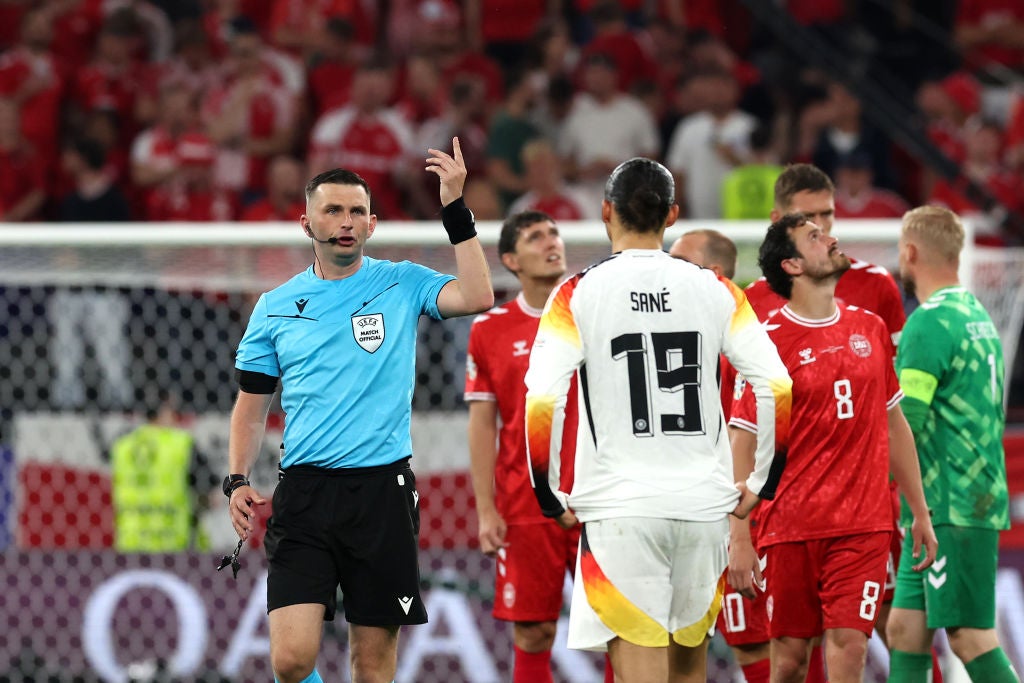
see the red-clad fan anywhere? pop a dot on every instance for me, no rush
(988, 31)
(983, 164)
(24, 172)
(285, 200)
(547, 190)
(154, 152)
(299, 26)
(190, 195)
(367, 138)
(614, 39)
(251, 117)
(856, 194)
(32, 77)
(76, 25)
(533, 553)
(115, 79)
(331, 76)
(827, 570)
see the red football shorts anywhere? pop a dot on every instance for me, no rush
(530, 571)
(743, 621)
(827, 583)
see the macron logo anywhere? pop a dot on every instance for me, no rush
(405, 603)
(301, 304)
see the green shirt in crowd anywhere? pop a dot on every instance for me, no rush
(748, 192)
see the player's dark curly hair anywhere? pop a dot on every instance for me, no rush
(642, 192)
(514, 224)
(778, 246)
(336, 176)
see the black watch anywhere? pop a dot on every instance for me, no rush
(232, 482)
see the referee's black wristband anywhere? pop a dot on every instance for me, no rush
(458, 221)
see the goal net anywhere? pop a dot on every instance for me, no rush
(97, 321)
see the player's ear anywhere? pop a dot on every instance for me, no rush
(791, 267)
(673, 214)
(606, 211)
(509, 260)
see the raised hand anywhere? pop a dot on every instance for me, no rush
(451, 169)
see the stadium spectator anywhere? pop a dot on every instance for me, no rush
(856, 195)
(547, 191)
(827, 573)
(333, 68)
(154, 152)
(76, 26)
(115, 79)
(440, 35)
(300, 27)
(532, 553)
(160, 485)
(422, 94)
(553, 108)
(461, 118)
(847, 133)
(552, 52)
(502, 28)
(482, 198)
(96, 198)
(511, 128)
(368, 138)
(32, 78)
(748, 191)
(23, 180)
(709, 143)
(989, 32)
(950, 366)
(191, 195)
(284, 201)
(371, 551)
(983, 164)
(192, 63)
(636, 497)
(603, 126)
(251, 116)
(614, 39)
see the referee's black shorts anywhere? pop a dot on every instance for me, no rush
(354, 527)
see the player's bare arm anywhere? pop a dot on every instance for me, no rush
(744, 567)
(471, 292)
(906, 470)
(483, 454)
(248, 425)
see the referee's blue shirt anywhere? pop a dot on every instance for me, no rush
(345, 351)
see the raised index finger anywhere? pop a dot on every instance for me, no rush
(457, 149)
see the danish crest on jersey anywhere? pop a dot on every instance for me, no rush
(860, 345)
(368, 331)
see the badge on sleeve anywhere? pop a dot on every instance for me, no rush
(368, 331)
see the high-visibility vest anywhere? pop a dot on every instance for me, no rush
(748, 192)
(152, 497)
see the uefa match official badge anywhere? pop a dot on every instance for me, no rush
(368, 331)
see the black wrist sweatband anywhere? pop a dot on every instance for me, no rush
(458, 221)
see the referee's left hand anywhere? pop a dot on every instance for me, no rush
(240, 509)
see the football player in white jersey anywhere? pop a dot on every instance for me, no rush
(653, 471)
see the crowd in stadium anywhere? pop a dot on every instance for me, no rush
(214, 110)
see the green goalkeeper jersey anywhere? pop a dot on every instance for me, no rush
(950, 365)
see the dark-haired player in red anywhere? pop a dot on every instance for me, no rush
(533, 553)
(806, 189)
(827, 534)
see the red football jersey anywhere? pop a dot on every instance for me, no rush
(499, 353)
(863, 285)
(836, 481)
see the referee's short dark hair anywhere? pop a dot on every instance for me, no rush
(514, 224)
(336, 176)
(778, 245)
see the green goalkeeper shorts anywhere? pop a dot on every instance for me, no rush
(959, 590)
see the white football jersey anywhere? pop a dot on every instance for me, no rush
(645, 331)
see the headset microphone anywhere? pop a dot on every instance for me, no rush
(332, 240)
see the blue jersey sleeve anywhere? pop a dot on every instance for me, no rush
(256, 351)
(427, 284)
